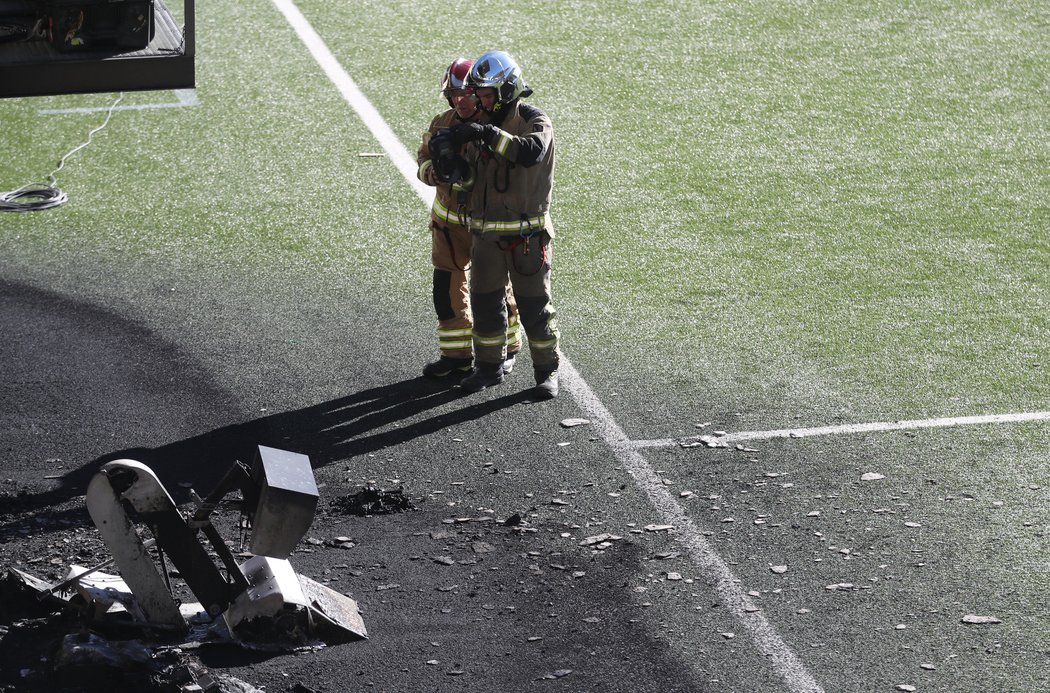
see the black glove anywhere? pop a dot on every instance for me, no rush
(469, 132)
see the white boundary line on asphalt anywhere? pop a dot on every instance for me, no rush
(704, 557)
(876, 427)
(784, 661)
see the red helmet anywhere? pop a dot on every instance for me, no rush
(455, 76)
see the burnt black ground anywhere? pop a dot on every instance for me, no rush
(187, 373)
(453, 598)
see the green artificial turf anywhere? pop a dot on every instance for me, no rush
(834, 202)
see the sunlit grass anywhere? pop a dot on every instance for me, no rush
(842, 201)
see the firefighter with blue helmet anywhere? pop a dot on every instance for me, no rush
(510, 153)
(451, 238)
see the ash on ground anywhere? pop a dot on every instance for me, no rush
(372, 500)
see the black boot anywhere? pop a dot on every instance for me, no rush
(546, 384)
(485, 375)
(446, 366)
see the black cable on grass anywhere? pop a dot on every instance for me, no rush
(36, 196)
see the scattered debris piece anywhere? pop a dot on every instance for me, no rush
(559, 674)
(778, 569)
(979, 620)
(658, 528)
(572, 423)
(871, 476)
(714, 441)
(90, 656)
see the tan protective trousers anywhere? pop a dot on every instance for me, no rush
(450, 253)
(526, 263)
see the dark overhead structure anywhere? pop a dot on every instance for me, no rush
(86, 50)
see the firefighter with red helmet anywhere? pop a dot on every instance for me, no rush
(451, 238)
(511, 154)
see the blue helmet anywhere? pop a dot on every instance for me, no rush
(497, 70)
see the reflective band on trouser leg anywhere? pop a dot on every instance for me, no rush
(538, 317)
(453, 317)
(456, 343)
(513, 334)
(490, 326)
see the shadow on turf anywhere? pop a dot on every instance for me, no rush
(340, 429)
(95, 356)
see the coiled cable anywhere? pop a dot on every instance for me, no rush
(36, 196)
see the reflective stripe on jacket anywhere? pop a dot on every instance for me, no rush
(520, 226)
(514, 174)
(446, 199)
(445, 215)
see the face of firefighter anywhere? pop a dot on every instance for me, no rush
(487, 99)
(464, 103)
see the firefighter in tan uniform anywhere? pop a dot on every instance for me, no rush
(511, 153)
(451, 241)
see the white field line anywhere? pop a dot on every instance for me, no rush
(704, 557)
(876, 427)
(700, 551)
(405, 162)
(186, 98)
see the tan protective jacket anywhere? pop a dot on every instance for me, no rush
(447, 205)
(514, 174)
